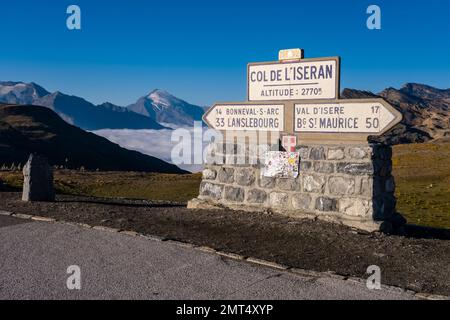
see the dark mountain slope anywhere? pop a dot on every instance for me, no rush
(26, 129)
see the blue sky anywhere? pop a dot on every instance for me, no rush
(198, 50)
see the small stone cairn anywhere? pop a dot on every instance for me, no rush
(38, 180)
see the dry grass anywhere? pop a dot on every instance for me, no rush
(422, 173)
(133, 185)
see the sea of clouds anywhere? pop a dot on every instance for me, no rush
(156, 143)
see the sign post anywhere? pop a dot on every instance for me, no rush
(329, 171)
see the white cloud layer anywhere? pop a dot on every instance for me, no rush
(156, 143)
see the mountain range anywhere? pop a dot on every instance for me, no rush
(26, 129)
(425, 110)
(153, 111)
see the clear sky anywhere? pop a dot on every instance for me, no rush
(198, 50)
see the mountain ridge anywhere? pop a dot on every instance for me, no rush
(75, 110)
(151, 111)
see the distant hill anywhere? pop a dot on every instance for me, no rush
(25, 129)
(75, 110)
(167, 109)
(426, 112)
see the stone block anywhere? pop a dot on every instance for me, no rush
(279, 200)
(305, 165)
(303, 152)
(209, 174)
(317, 153)
(301, 201)
(341, 185)
(288, 184)
(326, 204)
(355, 168)
(366, 187)
(256, 196)
(313, 183)
(359, 153)
(267, 182)
(355, 207)
(336, 154)
(245, 177)
(211, 190)
(324, 167)
(226, 175)
(234, 194)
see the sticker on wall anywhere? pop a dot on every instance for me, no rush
(281, 164)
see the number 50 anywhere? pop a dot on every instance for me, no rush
(372, 123)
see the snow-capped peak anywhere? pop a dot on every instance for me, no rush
(166, 108)
(162, 98)
(20, 92)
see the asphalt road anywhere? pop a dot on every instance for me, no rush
(34, 257)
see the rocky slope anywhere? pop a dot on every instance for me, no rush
(426, 112)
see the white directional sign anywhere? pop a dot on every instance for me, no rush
(307, 79)
(245, 116)
(366, 116)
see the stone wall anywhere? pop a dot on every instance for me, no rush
(349, 184)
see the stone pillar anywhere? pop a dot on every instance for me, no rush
(347, 184)
(38, 180)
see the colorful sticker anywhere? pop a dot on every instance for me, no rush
(281, 164)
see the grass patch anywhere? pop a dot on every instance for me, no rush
(422, 175)
(133, 185)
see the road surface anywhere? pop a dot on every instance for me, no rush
(34, 257)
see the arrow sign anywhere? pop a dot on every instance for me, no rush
(245, 116)
(364, 116)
